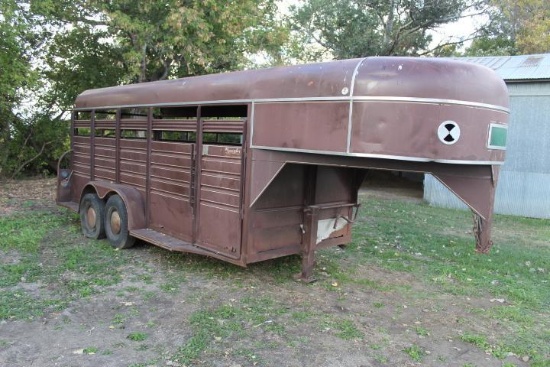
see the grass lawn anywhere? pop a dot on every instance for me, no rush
(408, 290)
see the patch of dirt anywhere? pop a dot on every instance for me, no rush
(388, 320)
(30, 194)
(393, 185)
(10, 258)
(399, 312)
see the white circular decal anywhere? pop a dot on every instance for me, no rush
(448, 132)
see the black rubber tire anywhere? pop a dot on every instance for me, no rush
(116, 223)
(92, 216)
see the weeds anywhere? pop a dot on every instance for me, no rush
(420, 331)
(477, 340)
(137, 336)
(343, 328)
(415, 352)
(234, 321)
(47, 249)
(90, 350)
(498, 351)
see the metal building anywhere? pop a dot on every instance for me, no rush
(524, 182)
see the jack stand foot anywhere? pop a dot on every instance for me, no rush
(300, 277)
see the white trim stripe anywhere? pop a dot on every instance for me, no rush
(379, 156)
(437, 101)
(350, 118)
(440, 101)
(252, 112)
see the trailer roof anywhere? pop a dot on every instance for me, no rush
(438, 80)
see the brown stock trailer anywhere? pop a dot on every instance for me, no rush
(253, 165)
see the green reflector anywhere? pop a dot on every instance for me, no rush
(498, 136)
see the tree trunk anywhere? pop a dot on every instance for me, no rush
(20, 168)
(389, 27)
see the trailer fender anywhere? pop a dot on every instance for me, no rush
(133, 200)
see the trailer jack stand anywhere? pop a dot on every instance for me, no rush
(309, 242)
(482, 233)
(306, 274)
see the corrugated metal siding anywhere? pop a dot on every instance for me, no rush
(438, 195)
(528, 145)
(531, 89)
(524, 185)
(518, 193)
(493, 62)
(515, 68)
(525, 194)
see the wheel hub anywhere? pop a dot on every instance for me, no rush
(91, 217)
(115, 222)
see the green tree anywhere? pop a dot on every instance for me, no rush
(102, 43)
(515, 27)
(17, 79)
(152, 40)
(530, 23)
(355, 28)
(55, 49)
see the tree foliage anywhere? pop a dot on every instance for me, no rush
(529, 22)
(515, 27)
(154, 40)
(55, 49)
(354, 28)
(17, 77)
(52, 50)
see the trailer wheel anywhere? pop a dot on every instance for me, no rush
(116, 223)
(92, 213)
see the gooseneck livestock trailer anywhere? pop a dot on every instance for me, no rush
(254, 165)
